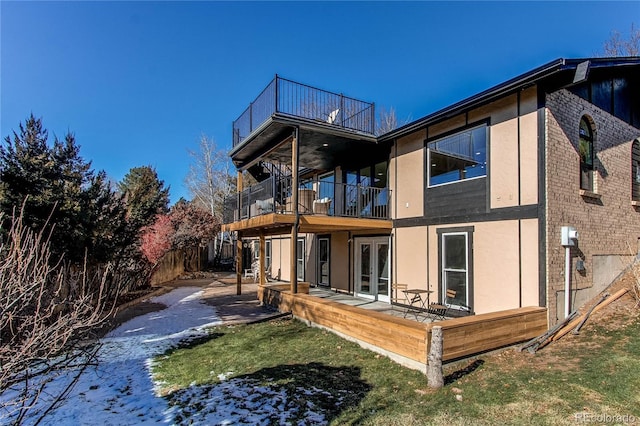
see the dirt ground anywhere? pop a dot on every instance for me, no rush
(616, 315)
(219, 291)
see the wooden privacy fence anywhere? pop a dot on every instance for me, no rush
(410, 339)
(177, 262)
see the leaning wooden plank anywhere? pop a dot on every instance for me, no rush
(575, 322)
(533, 344)
(586, 316)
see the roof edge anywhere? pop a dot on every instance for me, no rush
(527, 78)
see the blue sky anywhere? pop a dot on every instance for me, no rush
(139, 82)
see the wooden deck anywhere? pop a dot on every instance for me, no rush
(276, 224)
(405, 340)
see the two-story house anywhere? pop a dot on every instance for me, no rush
(471, 198)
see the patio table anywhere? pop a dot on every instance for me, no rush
(416, 303)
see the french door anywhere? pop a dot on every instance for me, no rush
(372, 268)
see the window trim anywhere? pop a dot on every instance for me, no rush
(635, 171)
(484, 123)
(301, 277)
(319, 271)
(267, 254)
(468, 231)
(590, 169)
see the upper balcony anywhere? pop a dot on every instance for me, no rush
(323, 206)
(329, 124)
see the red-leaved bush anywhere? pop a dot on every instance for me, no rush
(156, 239)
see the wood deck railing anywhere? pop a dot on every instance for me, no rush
(410, 339)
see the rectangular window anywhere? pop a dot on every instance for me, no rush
(267, 254)
(300, 255)
(255, 247)
(585, 150)
(323, 260)
(457, 157)
(635, 170)
(455, 268)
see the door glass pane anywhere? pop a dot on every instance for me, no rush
(380, 178)
(456, 281)
(326, 191)
(455, 249)
(267, 254)
(383, 269)
(365, 268)
(365, 177)
(300, 259)
(350, 193)
(323, 260)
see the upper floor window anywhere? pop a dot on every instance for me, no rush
(457, 157)
(585, 149)
(635, 170)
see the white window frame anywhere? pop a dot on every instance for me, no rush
(445, 269)
(301, 261)
(328, 261)
(267, 254)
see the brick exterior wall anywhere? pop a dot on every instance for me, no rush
(608, 226)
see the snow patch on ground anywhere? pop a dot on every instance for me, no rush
(120, 390)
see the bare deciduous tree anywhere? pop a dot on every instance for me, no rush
(616, 45)
(209, 180)
(47, 311)
(387, 120)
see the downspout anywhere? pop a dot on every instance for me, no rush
(568, 239)
(567, 280)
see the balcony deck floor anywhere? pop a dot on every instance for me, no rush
(372, 305)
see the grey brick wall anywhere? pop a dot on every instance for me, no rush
(607, 226)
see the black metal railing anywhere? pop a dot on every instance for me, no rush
(322, 198)
(300, 100)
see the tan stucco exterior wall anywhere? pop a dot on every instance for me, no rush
(409, 259)
(513, 154)
(447, 126)
(503, 149)
(496, 266)
(500, 279)
(406, 176)
(530, 264)
(529, 146)
(505, 252)
(513, 148)
(608, 226)
(340, 261)
(280, 257)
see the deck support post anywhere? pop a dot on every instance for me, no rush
(239, 264)
(262, 271)
(434, 367)
(239, 237)
(294, 201)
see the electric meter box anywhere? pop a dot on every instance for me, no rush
(568, 236)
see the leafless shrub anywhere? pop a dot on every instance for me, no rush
(47, 311)
(635, 269)
(636, 287)
(618, 45)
